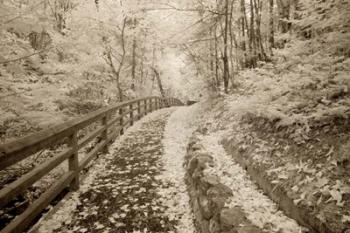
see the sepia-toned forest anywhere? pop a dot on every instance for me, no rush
(265, 86)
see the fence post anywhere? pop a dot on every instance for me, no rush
(105, 132)
(131, 114)
(145, 107)
(73, 162)
(138, 110)
(121, 121)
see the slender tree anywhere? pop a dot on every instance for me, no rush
(159, 82)
(133, 63)
(271, 27)
(110, 55)
(226, 74)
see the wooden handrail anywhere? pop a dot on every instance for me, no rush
(13, 152)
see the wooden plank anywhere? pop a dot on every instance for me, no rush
(88, 138)
(19, 186)
(127, 122)
(125, 113)
(138, 110)
(91, 155)
(131, 117)
(113, 121)
(117, 118)
(21, 222)
(113, 135)
(139, 116)
(121, 119)
(105, 132)
(73, 162)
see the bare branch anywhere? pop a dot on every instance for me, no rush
(26, 56)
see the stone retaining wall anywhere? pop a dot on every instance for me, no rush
(208, 196)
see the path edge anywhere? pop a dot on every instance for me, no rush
(303, 215)
(209, 196)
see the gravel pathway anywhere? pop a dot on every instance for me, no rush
(124, 191)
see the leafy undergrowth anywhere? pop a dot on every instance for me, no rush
(315, 174)
(292, 118)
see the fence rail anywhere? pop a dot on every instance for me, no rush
(113, 120)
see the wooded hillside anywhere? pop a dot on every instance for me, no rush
(272, 74)
(63, 58)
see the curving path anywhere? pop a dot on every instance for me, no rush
(139, 187)
(131, 189)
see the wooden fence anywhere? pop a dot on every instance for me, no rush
(111, 123)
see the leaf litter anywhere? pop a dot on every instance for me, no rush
(124, 191)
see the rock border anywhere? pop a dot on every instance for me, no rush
(302, 214)
(208, 196)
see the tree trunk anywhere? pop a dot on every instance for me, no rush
(243, 29)
(141, 72)
(133, 68)
(233, 42)
(260, 46)
(271, 27)
(211, 54)
(116, 76)
(133, 64)
(115, 71)
(252, 39)
(226, 74)
(159, 82)
(216, 59)
(284, 15)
